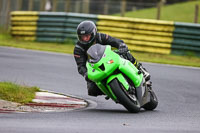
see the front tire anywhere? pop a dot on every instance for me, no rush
(129, 102)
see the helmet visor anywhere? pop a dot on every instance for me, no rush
(84, 38)
(87, 39)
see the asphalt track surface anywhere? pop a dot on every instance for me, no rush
(177, 88)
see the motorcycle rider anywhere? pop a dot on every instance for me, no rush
(87, 36)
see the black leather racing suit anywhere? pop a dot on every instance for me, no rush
(80, 55)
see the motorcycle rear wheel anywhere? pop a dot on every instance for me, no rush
(130, 103)
(153, 102)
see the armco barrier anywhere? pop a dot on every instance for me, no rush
(186, 39)
(24, 25)
(165, 37)
(139, 34)
(47, 26)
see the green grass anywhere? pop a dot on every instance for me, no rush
(168, 59)
(180, 12)
(17, 93)
(7, 40)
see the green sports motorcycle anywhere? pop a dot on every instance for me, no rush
(119, 79)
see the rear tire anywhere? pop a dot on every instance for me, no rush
(153, 102)
(123, 97)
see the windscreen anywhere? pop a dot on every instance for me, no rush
(95, 53)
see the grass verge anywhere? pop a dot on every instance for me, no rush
(168, 59)
(17, 93)
(7, 40)
(180, 12)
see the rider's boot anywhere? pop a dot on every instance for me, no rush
(93, 90)
(144, 71)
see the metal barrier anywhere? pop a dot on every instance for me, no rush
(47, 26)
(140, 34)
(24, 25)
(186, 39)
(164, 37)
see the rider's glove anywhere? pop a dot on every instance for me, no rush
(123, 48)
(86, 77)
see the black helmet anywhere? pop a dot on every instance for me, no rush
(86, 28)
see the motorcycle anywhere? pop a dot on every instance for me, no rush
(119, 79)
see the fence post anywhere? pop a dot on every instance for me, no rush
(19, 5)
(67, 5)
(159, 6)
(86, 6)
(1, 3)
(196, 13)
(8, 14)
(123, 8)
(30, 5)
(77, 6)
(54, 5)
(42, 5)
(158, 11)
(106, 6)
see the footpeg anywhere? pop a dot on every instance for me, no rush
(139, 72)
(107, 97)
(149, 83)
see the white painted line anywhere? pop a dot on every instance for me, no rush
(60, 101)
(47, 94)
(56, 98)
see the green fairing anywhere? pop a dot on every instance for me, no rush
(131, 71)
(107, 90)
(120, 78)
(97, 75)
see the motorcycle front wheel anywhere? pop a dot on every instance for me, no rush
(129, 101)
